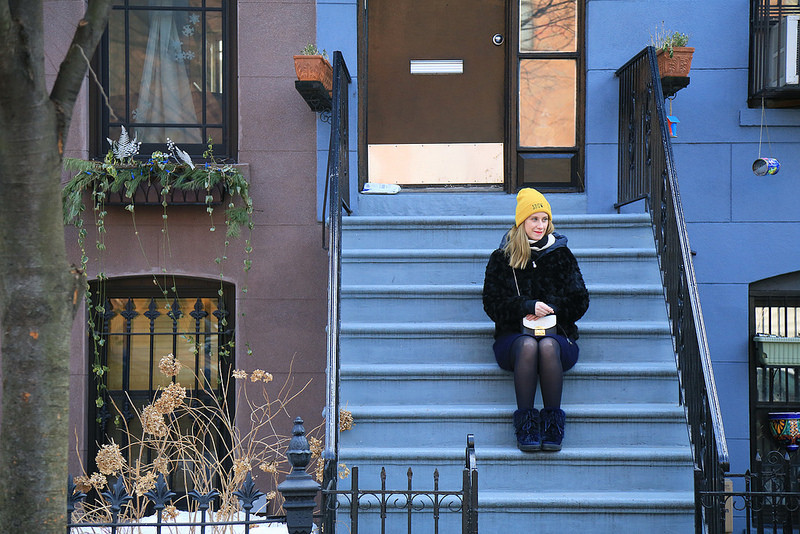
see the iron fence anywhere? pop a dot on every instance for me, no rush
(406, 504)
(299, 491)
(769, 500)
(646, 172)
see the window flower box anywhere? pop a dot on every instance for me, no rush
(776, 350)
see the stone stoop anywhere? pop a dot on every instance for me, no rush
(418, 375)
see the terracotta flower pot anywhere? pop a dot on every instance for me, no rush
(314, 68)
(677, 65)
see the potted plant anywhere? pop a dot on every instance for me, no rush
(311, 64)
(674, 57)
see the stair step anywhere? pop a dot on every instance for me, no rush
(578, 469)
(595, 425)
(664, 512)
(373, 345)
(468, 266)
(455, 232)
(483, 328)
(429, 302)
(457, 203)
(458, 384)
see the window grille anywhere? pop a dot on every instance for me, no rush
(137, 326)
(774, 59)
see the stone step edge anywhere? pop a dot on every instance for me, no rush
(482, 328)
(630, 455)
(475, 290)
(638, 502)
(454, 254)
(617, 412)
(612, 220)
(425, 371)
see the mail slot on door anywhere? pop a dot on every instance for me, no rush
(437, 66)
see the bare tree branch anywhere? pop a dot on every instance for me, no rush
(73, 68)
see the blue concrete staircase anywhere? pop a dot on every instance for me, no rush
(418, 373)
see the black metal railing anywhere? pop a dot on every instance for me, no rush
(407, 504)
(769, 500)
(337, 198)
(647, 172)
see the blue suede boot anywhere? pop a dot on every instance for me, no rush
(526, 426)
(552, 428)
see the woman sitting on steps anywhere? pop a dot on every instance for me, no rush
(534, 275)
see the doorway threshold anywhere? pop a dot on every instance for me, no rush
(463, 201)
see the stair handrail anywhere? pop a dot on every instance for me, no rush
(646, 171)
(337, 193)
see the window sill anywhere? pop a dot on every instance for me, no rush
(772, 117)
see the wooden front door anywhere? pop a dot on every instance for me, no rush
(436, 72)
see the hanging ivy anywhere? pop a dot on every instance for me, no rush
(122, 175)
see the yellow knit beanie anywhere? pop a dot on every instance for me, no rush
(530, 201)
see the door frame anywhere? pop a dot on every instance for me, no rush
(510, 98)
(578, 180)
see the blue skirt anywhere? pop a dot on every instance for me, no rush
(502, 351)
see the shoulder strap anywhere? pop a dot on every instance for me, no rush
(514, 272)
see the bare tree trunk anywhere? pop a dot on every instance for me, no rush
(38, 290)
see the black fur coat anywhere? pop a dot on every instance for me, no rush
(552, 276)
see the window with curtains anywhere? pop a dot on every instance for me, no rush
(166, 72)
(133, 325)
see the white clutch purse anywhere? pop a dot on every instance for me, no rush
(540, 327)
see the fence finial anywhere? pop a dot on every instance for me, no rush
(299, 490)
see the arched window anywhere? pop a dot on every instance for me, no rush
(133, 324)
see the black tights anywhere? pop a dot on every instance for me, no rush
(537, 361)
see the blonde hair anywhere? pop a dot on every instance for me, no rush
(517, 247)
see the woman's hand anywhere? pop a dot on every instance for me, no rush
(541, 310)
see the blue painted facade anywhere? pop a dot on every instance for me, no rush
(744, 228)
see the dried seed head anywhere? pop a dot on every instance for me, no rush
(170, 398)
(315, 444)
(82, 484)
(240, 374)
(260, 374)
(269, 467)
(145, 483)
(98, 481)
(153, 421)
(161, 464)
(345, 420)
(170, 512)
(170, 365)
(241, 466)
(109, 459)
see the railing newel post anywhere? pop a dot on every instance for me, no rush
(299, 489)
(409, 499)
(354, 503)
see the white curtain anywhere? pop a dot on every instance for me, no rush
(165, 93)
